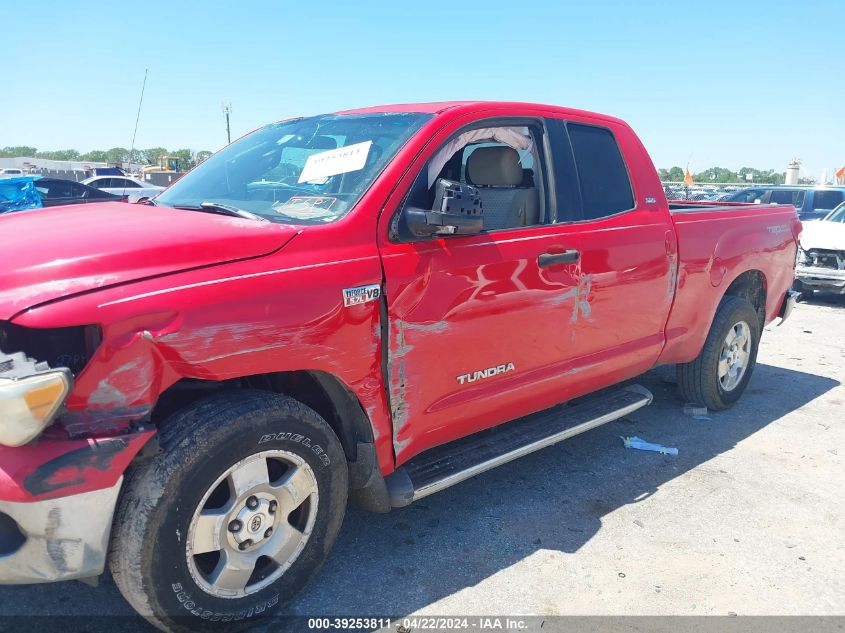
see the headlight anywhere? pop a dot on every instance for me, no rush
(28, 405)
(802, 257)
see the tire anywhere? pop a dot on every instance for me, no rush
(699, 381)
(158, 528)
(806, 292)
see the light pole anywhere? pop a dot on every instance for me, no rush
(227, 110)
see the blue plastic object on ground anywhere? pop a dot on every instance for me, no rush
(641, 444)
(17, 194)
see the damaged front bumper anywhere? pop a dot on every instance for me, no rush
(56, 539)
(57, 500)
(821, 278)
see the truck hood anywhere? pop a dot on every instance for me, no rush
(822, 234)
(51, 253)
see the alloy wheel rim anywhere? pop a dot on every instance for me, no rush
(734, 356)
(252, 524)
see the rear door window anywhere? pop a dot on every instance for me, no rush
(795, 197)
(602, 175)
(827, 199)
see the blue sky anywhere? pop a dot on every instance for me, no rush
(713, 83)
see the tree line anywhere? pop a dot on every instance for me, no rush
(187, 158)
(722, 175)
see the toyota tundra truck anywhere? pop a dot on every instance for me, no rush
(342, 307)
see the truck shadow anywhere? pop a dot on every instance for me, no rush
(555, 499)
(822, 298)
(395, 564)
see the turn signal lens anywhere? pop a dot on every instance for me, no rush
(28, 405)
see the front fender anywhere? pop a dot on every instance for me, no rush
(279, 313)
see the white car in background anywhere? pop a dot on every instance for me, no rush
(821, 255)
(134, 188)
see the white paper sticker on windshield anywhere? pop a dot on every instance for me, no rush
(306, 207)
(335, 161)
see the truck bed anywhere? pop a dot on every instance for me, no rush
(714, 248)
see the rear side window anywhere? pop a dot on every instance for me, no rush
(748, 196)
(787, 196)
(605, 185)
(77, 190)
(55, 189)
(827, 199)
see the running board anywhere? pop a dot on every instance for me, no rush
(452, 463)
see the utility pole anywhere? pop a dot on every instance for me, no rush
(137, 118)
(227, 110)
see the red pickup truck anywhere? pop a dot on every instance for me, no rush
(342, 306)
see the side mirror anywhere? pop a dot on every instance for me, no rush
(457, 211)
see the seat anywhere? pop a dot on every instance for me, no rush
(498, 174)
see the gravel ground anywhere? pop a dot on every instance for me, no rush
(747, 519)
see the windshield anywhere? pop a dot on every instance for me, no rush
(305, 171)
(837, 215)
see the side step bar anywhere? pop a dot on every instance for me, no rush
(452, 463)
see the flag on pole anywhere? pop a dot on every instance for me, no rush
(840, 175)
(688, 181)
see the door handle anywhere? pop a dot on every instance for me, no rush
(566, 257)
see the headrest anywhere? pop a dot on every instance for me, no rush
(494, 167)
(323, 142)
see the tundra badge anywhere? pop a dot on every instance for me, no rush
(361, 294)
(486, 373)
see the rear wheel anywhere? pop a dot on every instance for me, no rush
(720, 373)
(235, 515)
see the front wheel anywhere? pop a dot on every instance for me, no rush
(234, 516)
(720, 373)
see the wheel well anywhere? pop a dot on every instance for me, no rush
(751, 285)
(319, 390)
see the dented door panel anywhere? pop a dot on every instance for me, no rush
(630, 285)
(479, 332)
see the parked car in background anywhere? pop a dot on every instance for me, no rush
(33, 192)
(18, 193)
(11, 172)
(134, 188)
(812, 203)
(821, 256)
(55, 192)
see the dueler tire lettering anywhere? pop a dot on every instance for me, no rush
(304, 441)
